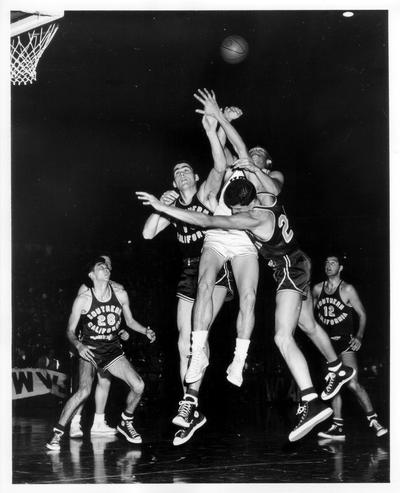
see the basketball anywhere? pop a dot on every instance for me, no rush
(234, 49)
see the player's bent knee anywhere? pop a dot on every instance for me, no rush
(283, 340)
(138, 387)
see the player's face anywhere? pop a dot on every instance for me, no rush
(332, 266)
(101, 271)
(184, 176)
(259, 158)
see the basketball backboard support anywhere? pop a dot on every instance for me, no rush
(22, 22)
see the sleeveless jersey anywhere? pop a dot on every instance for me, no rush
(190, 238)
(334, 315)
(226, 235)
(100, 325)
(282, 241)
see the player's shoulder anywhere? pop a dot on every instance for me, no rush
(117, 286)
(347, 288)
(121, 293)
(318, 285)
(83, 289)
(317, 288)
(83, 299)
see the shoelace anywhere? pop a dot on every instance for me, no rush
(330, 376)
(185, 408)
(303, 410)
(374, 424)
(56, 438)
(131, 429)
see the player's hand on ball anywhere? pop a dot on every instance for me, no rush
(232, 113)
(169, 197)
(207, 99)
(149, 199)
(150, 334)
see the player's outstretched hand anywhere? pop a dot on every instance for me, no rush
(150, 334)
(149, 199)
(208, 100)
(169, 197)
(245, 163)
(232, 113)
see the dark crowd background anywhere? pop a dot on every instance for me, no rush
(113, 110)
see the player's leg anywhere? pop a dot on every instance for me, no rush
(122, 369)
(75, 428)
(311, 410)
(245, 270)
(189, 418)
(337, 374)
(350, 359)
(86, 377)
(336, 429)
(100, 426)
(203, 312)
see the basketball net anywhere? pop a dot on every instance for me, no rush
(26, 52)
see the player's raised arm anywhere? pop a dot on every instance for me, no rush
(211, 108)
(155, 222)
(210, 187)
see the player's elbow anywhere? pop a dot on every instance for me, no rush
(148, 235)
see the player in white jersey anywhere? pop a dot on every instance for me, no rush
(232, 245)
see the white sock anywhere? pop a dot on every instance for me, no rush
(98, 418)
(242, 345)
(199, 338)
(76, 419)
(309, 397)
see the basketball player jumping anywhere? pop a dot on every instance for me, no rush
(191, 196)
(101, 309)
(233, 245)
(335, 302)
(269, 228)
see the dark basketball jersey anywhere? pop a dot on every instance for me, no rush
(190, 238)
(282, 241)
(332, 314)
(100, 325)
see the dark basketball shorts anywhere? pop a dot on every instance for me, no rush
(187, 285)
(341, 344)
(292, 272)
(105, 356)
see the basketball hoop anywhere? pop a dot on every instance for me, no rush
(31, 33)
(26, 51)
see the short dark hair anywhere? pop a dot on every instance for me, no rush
(239, 192)
(183, 162)
(342, 258)
(95, 260)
